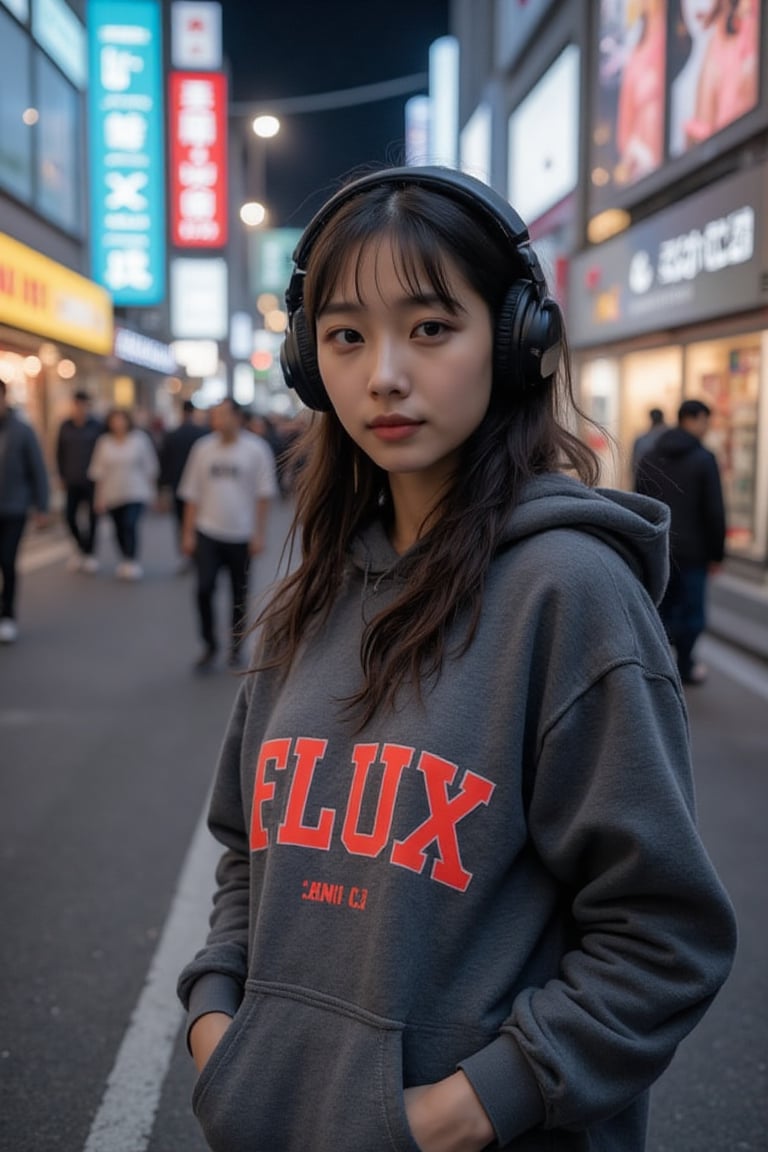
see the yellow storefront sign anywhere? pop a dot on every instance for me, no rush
(38, 295)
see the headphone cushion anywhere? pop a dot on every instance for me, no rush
(507, 360)
(528, 339)
(300, 368)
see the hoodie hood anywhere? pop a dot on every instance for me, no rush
(634, 526)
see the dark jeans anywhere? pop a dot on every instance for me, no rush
(683, 611)
(80, 497)
(178, 512)
(210, 557)
(11, 530)
(126, 521)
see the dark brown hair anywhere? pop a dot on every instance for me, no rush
(340, 490)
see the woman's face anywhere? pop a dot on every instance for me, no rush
(118, 424)
(408, 376)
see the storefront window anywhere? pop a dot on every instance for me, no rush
(725, 374)
(599, 397)
(652, 379)
(16, 111)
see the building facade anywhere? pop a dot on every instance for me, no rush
(633, 139)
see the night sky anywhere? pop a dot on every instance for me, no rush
(290, 48)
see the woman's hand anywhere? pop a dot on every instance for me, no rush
(448, 1116)
(205, 1035)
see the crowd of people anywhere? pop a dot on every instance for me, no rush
(217, 469)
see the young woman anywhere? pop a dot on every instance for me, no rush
(462, 902)
(124, 467)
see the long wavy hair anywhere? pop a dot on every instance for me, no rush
(339, 491)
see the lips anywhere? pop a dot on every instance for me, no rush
(394, 421)
(394, 427)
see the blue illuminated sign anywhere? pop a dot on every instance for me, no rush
(126, 150)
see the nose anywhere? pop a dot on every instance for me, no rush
(388, 375)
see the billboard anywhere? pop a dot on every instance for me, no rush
(125, 109)
(671, 73)
(713, 68)
(198, 159)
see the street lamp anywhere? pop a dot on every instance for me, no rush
(254, 213)
(266, 126)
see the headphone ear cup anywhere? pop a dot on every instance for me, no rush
(298, 360)
(528, 338)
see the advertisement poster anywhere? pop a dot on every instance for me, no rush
(629, 124)
(713, 67)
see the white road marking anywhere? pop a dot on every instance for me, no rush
(127, 1112)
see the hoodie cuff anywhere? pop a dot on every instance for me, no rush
(506, 1087)
(213, 992)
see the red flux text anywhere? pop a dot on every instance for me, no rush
(302, 756)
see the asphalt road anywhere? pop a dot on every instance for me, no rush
(107, 743)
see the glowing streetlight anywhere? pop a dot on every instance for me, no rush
(253, 213)
(266, 126)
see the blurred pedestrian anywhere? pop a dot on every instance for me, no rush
(174, 453)
(684, 474)
(23, 486)
(75, 442)
(462, 903)
(227, 486)
(646, 441)
(125, 468)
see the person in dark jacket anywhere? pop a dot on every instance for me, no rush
(74, 449)
(23, 485)
(174, 452)
(645, 442)
(684, 474)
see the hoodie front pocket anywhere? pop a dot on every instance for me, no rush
(298, 1070)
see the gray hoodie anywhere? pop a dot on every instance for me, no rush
(506, 878)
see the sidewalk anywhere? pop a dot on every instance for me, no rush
(738, 613)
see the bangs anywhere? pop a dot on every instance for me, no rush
(352, 237)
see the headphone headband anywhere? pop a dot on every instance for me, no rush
(479, 198)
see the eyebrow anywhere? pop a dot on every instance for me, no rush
(430, 300)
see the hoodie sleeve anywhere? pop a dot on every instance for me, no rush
(214, 980)
(612, 816)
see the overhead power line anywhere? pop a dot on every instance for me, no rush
(341, 98)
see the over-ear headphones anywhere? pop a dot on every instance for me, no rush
(529, 325)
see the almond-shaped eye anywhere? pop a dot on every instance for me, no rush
(431, 328)
(345, 336)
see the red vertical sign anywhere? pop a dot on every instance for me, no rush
(197, 104)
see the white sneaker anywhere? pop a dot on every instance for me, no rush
(75, 563)
(90, 564)
(8, 630)
(130, 570)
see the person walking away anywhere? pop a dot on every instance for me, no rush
(174, 453)
(684, 474)
(23, 486)
(75, 442)
(462, 901)
(124, 468)
(646, 441)
(227, 487)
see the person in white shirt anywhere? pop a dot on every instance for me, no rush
(227, 488)
(124, 467)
